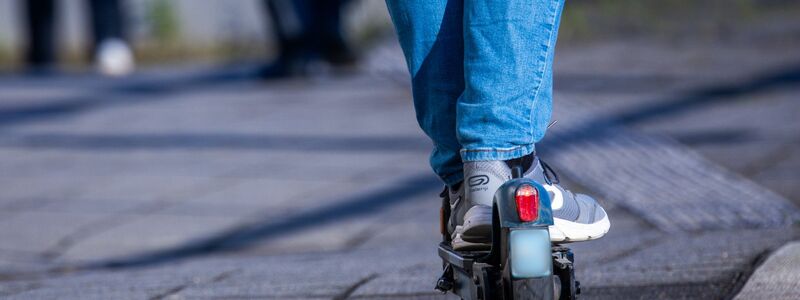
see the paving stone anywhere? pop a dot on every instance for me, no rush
(35, 232)
(685, 259)
(147, 233)
(116, 285)
(247, 197)
(21, 262)
(329, 276)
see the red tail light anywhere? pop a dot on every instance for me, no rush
(527, 203)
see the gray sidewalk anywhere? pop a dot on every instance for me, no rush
(199, 183)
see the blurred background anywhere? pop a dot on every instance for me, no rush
(71, 34)
(268, 149)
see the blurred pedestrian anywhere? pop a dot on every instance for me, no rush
(306, 30)
(111, 54)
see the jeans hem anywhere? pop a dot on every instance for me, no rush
(496, 154)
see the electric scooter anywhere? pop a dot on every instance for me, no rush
(522, 262)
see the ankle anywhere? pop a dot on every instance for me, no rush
(526, 162)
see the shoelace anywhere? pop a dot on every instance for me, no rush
(444, 193)
(549, 174)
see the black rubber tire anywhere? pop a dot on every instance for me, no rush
(533, 288)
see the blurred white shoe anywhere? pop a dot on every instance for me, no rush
(114, 58)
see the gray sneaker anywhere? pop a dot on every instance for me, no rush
(458, 209)
(482, 179)
(576, 217)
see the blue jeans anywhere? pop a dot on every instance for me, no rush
(481, 75)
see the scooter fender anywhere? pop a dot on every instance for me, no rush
(529, 246)
(506, 204)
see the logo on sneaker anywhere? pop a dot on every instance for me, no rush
(478, 180)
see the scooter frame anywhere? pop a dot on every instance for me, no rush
(487, 275)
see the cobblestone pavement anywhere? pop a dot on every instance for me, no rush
(201, 183)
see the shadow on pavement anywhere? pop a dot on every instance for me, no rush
(714, 137)
(710, 95)
(246, 235)
(688, 101)
(692, 100)
(147, 88)
(612, 83)
(227, 141)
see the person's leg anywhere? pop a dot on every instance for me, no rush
(507, 102)
(291, 23)
(509, 47)
(107, 20)
(111, 53)
(431, 35)
(508, 65)
(328, 30)
(41, 32)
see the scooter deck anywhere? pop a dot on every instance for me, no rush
(462, 260)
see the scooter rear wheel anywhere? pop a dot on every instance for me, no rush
(533, 288)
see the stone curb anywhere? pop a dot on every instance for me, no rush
(777, 278)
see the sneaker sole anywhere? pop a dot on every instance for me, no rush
(461, 245)
(564, 231)
(478, 225)
(478, 234)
